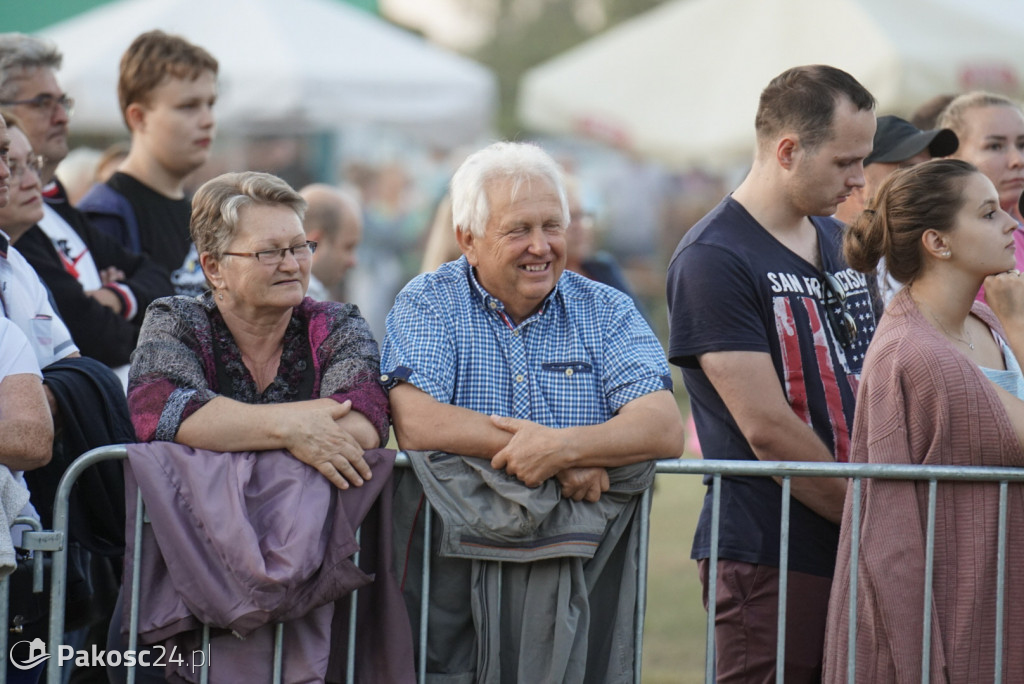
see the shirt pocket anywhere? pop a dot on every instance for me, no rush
(572, 391)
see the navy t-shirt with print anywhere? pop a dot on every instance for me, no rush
(733, 287)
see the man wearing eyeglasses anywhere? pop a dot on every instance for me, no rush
(29, 88)
(101, 289)
(770, 328)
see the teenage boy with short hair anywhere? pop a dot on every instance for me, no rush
(167, 89)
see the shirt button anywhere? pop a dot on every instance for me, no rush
(515, 333)
(493, 305)
(568, 372)
(519, 378)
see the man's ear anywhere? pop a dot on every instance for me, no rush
(467, 243)
(135, 116)
(786, 151)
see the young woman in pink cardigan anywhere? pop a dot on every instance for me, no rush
(941, 386)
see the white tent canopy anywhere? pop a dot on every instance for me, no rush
(681, 82)
(301, 63)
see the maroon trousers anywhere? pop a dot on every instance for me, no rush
(746, 623)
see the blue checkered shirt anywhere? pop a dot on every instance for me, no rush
(578, 360)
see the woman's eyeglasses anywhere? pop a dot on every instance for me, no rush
(18, 167)
(842, 322)
(273, 257)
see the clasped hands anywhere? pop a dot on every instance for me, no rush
(536, 453)
(315, 438)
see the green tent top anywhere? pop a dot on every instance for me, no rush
(29, 17)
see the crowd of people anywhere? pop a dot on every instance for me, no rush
(857, 298)
(803, 337)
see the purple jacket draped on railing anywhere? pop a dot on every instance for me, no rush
(243, 540)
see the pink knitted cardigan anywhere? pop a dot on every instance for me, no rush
(921, 401)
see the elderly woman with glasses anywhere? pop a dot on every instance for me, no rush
(249, 396)
(253, 364)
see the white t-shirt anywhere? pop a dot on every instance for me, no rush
(23, 299)
(16, 355)
(16, 358)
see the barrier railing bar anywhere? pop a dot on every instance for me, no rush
(350, 662)
(278, 651)
(1000, 579)
(59, 567)
(877, 471)
(716, 501)
(133, 615)
(929, 570)
(204, 670)
(715, 468)
(851, 637)
(5, 597)
(425, 595)
(780, 640)
(641, 585)
(36, 541)
(5, 586)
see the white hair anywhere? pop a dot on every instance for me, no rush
(520, 162)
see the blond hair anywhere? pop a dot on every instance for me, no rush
(217, 203)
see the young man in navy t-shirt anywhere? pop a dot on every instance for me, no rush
(770, 328)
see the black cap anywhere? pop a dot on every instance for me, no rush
(898, 140)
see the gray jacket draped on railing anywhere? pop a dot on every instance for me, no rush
(568, 581)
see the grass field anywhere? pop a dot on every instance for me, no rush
(674, 640)
(674, 633)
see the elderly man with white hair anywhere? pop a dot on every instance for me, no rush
(534, 401)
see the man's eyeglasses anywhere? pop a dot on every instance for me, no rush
(842, 322)
(272, 257)
(45, 103)
(18, 167)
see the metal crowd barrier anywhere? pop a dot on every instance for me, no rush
(857, 472)
(785, 471)
(53, 541)
(59, 580)
(34, 540)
